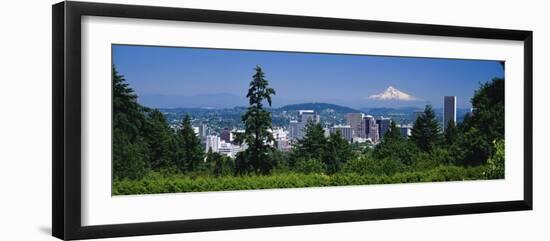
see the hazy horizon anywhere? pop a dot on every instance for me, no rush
(170, 77)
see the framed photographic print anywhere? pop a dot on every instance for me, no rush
(169, 120)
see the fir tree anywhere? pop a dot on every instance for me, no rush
(160, 139)
(393, 133)
(426, 132)
(130, 149)
(474, 142)
(257, 122)
(312, 145)
(451, 133)
(190, 148)
(337, 152)
(127, 113)
(395, 147)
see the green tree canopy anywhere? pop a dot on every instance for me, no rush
(488, 109)
(312, 145)
(130, 149)
(473, 146)
(393, 133)
(191, 153)
(161, 141)
(426, 133)
(127, 113)
(451, 132)
(337, 152)
(257, 122)
(495, 163)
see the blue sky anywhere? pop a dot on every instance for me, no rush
(300, 77)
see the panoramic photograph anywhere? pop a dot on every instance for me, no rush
(201, 120)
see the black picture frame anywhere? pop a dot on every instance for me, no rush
(66, 75)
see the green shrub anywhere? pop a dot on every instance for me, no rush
(155, 182)
(310, 166)
(495, 164)
(369, 166)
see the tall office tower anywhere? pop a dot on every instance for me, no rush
(212, 142)
(203, 130)
(355, 121)
(383, 126)
(225, 135)
(345, 130)
(297, 126)
(309, 115)
(366, 124)
(374, 132)
(449, 110)
(293, 129)
(371, 128)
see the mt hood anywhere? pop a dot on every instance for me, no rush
(392, 93)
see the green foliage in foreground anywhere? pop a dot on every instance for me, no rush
(155, 182)
(496, 162)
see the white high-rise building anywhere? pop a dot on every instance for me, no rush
(449, 110)
(281, 138)
(212, 142)
(279, 133)
(374, 133)
(203, 130)
(226, 148)
(345, 130)
(355, 120)
(196, 130)
(294, 129)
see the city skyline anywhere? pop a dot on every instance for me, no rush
(165, 75)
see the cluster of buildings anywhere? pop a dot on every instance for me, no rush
(366, 127)
(358, 128)
(225, 144)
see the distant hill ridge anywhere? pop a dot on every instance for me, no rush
(318, 107)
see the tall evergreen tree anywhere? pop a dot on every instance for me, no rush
(312, 145)
(426, 132)
(393, 133)
(130, 150)
(337, 152)
(474, 144)
(395, 147)
(190, 148)
(160, 139)
(257, 122)
(127, 113)
(451, 133)
(488, 105)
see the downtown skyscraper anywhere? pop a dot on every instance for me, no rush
(449, 110)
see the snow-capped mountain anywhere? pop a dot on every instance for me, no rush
(392, 93)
